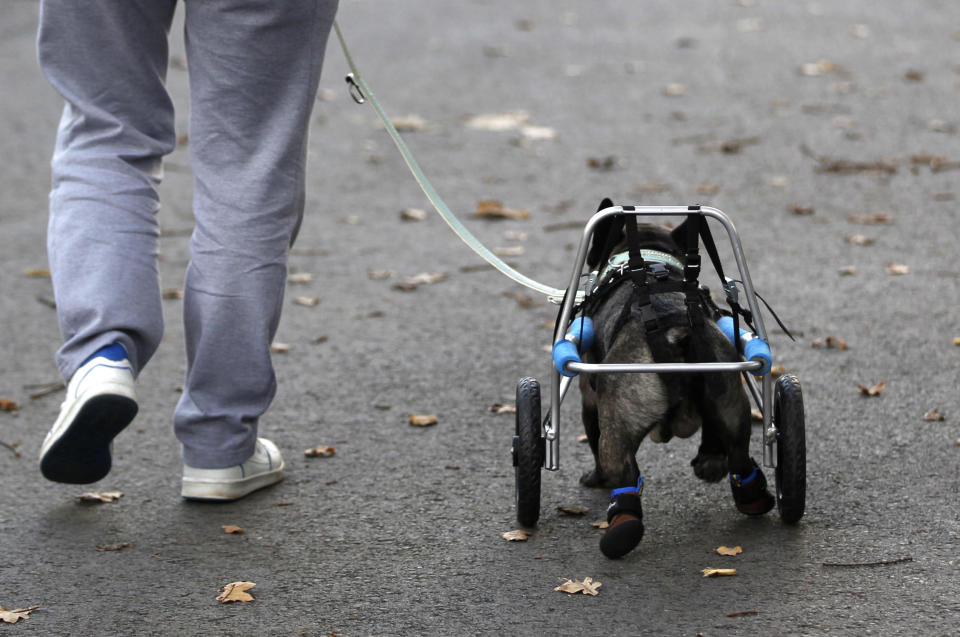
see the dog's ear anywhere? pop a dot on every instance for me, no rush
(679, 234)
(606, 235)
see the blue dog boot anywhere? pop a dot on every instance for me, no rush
(625, 516)
(750, 492)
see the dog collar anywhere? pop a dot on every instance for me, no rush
(621, 259)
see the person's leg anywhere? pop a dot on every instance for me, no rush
(108, 60)
(254, 70)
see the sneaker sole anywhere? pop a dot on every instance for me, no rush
(203, 491)
(81, 454)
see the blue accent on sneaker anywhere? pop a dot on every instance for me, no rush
(114, 352)
(735, 479)
(637, 489)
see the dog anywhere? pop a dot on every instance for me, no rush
(620, 410)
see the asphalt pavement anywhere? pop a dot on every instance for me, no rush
(828, 132)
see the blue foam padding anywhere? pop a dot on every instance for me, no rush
(582, 331)
(757, 349)
(565, 352)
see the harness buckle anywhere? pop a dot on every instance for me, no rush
(658, 270)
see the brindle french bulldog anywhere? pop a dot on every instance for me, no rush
(619, 410)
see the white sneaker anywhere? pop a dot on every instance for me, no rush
(100, 402)
(264, 467)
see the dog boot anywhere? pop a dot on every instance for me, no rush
(625, 516)
(750, 492)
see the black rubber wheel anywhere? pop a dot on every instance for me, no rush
(528, 450)
(791, 449)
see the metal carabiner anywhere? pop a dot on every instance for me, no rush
(355, 92)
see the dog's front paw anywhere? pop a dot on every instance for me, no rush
(593, 478)
(711, 467)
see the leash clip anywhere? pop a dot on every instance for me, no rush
(355, 92)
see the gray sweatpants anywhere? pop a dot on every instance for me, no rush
(254, 68)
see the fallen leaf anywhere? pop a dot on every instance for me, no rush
(860, 31)
(708, 189)
(114, 547)
(413, 214)
(583, 438)
(728, 550)
(509, 251)
(494, 209)
(422, 420)
(600, 524)
(571, 509)
(236, 592)
(100, 496)
(319, 451)
(875, 390)
(675, 89)
(914, 75)
(233, 529)
(777, 371)
(537, 133)
(934, 415)
(300, 278)
(829, 342)
(956, 340)
(716, 572)
(280, 348)
(871, 219)
(171, 294)
(38, 273)
(380, 274)
(756, 415)
(503, 408)
(603, 164)
(307, 301)
(587, 587)
(818, 68)
(424, 278)
(741, 613)
(498, 121)
(520, 535)
(13, 616)
(849, 270)
(525, 301)
(897, 269)
(8, 405)
(859, 240)
(407, 123)
(800, 210)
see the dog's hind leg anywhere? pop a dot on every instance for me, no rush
(591, 425)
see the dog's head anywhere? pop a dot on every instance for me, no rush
(610, 237)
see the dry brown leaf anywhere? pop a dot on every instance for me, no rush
(424, 278)
(830, 342)
(801, 210)
(100, 496)
(503, 408)
(172, 294)
(13, 616)
(719, 572)
(756, 415)
(307, 301)
(380, 274)
(729, 550)
(114, 547)
(587, 587)
(674, 89)
(603, 164)
(236, 592)
(280, 348)
(913, 75)
(708, 189)
(525, 301)
(600, 524)
(319, 451)
(408, 123)
(859, 240)
(413, 214)
(38, 273)
(956, 340)
(777, 371)
(820, 67)
(8, 405)
(422, 420)
(499, 121)
(849, 270)
(509, 251)
(519, 535)
(583, 438)
(875, 390)
(537, 133)
(300, 278)
(571, 509)
(934, 415)
(493, 209)
(233, 529)
(898, 268)
(872, 219)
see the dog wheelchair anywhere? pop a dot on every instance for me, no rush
(536, 443)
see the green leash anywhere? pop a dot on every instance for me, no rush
(361, 93)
